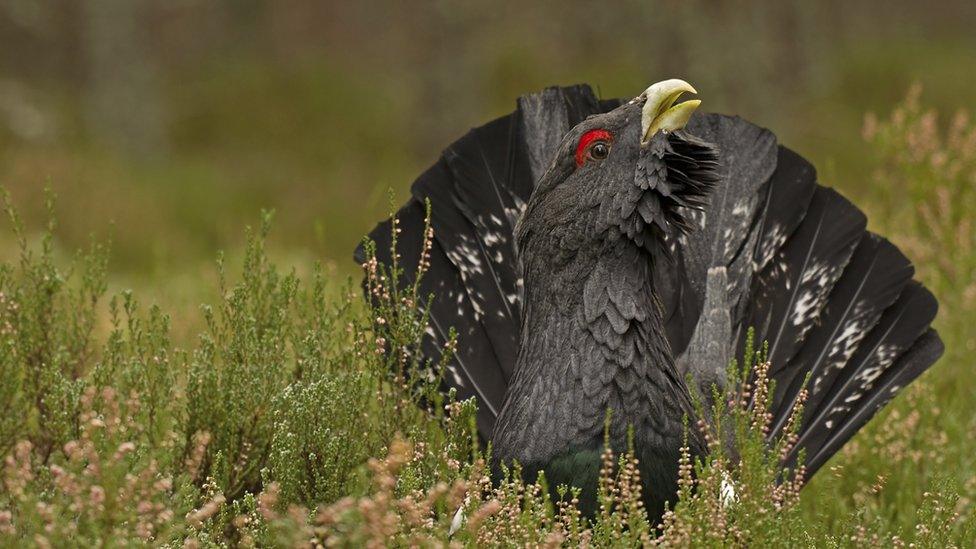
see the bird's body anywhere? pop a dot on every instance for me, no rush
(580, 356)
(594, 254)
(593, 335)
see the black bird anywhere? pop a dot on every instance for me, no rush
(594, 254)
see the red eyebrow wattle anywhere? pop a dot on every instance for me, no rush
(586, 139)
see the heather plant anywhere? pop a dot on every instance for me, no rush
(744, 493)
(103, 487)
(926, 168)
(46, 334)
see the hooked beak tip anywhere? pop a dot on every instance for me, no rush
(660, 113)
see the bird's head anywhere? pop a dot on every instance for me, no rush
(632, 173)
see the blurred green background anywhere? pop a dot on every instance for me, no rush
(177, 121)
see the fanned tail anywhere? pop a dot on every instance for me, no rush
(837, 306)
(772, 250)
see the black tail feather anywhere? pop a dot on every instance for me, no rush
(911, 364)
(872, 281)
(470, 372)
(836, 305)
(784, 207)
(841, 395)
(790, 191)
(470, 254)
(789, 295)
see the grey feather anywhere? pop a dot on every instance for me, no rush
(709, 345)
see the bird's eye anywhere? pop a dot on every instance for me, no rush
(599, 150)
(593, 145)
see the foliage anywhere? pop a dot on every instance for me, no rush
(929, 172)
(742, 495)
(290, 419)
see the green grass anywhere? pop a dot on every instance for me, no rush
(287, 412)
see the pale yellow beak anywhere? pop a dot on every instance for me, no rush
(660, 113)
